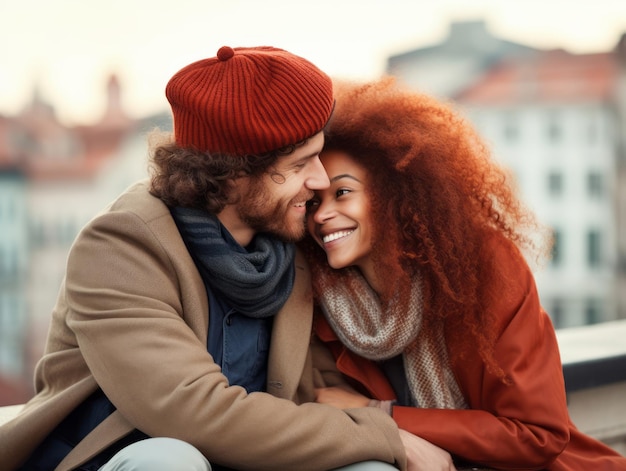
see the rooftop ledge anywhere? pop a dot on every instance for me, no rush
(593, 355)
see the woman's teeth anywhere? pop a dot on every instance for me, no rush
(336, 235)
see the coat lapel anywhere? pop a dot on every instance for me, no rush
(291, 336)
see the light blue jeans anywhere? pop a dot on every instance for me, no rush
(167, 454)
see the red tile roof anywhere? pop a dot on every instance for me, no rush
(548, 76)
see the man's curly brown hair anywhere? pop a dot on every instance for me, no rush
(436, 197)
(202, 180)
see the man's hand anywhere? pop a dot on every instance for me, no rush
(421, 454)
(424, 456)
(342, 398)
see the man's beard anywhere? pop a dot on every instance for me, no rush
(265, 214)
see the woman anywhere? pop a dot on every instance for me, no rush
(425, 296)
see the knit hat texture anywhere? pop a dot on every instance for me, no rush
(248, 101)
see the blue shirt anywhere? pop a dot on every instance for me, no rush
(239, 344)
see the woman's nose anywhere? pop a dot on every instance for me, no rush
(323, 212)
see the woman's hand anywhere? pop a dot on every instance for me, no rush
(340, 397)
(423, 455)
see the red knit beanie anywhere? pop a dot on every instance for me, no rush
(248, 101)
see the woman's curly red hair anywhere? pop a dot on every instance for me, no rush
(436, 196)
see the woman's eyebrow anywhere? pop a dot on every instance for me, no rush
(345, 175)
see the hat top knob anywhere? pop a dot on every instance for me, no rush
(225, 53)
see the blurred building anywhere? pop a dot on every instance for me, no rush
(620, 174)
(556, 120)
(14, 258)
(53, 179)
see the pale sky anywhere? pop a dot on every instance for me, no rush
(67, 48)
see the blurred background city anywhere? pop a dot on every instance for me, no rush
(81, 84)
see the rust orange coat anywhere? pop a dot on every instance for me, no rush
(524, 425)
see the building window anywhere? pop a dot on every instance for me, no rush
(511, 128)
(556, 312)
(555, 183)
(593, 311)
(594, 249)
(556, 258)
(595, 184)
(554, 130)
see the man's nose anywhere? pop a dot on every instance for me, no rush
(318, 179)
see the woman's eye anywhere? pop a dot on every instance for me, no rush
(342, 191)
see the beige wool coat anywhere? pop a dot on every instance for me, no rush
(132, 317)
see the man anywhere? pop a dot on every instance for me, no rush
(184, 303)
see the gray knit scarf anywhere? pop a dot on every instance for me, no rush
(355, 314)
(256, 281)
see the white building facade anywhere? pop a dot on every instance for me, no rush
(551, 118)
(563, 159)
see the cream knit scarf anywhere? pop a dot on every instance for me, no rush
(355, 314)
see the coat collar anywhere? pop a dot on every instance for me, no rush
(291, 336)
